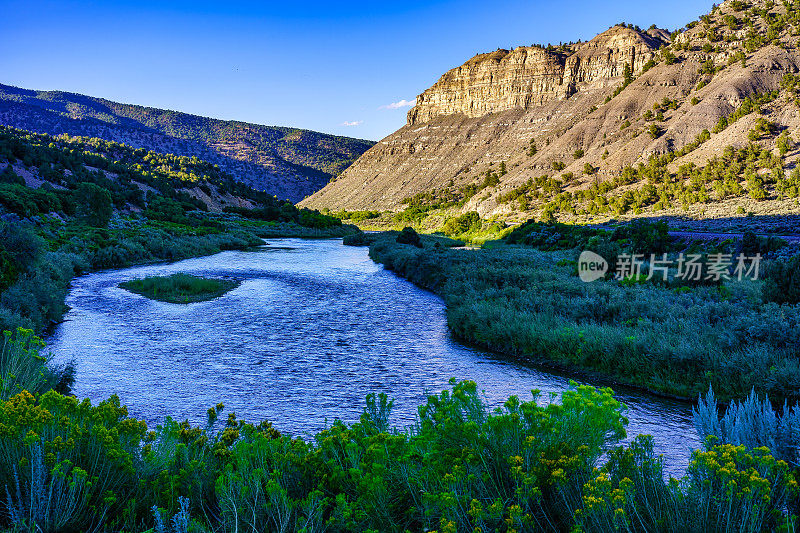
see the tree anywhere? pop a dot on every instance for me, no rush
(589, 169)
(22, 244)
(94, 204)
(782, 282)
(784, 143)
(627, 74)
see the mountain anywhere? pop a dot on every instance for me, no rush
(290, 163)
(699, 121)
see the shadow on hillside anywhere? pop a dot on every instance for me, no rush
(780, 225)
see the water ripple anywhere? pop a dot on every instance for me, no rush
(312, 329)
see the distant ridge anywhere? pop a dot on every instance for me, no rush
(290, 163)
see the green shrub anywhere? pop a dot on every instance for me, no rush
(461, 224)
(409, 236)
(782, 281)
(519, 301)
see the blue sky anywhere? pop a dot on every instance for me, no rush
(329, 66)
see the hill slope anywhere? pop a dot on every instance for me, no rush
(561, 131)
(287, 162)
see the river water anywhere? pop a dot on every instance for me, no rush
(313, 328)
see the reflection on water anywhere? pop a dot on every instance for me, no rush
(313, 328)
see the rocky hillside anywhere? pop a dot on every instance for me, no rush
(700, 121)
(287, 162)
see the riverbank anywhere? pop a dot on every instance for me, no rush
(529, 466)
(38, 259)
(676, 342)
(468, 460)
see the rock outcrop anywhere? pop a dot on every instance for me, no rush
(530, 76)
(574, 106)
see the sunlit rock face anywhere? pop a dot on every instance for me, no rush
(530, 76)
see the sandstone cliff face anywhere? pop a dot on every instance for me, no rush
(530, 76)
(470, 121)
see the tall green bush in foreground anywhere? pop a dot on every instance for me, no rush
(23, 368)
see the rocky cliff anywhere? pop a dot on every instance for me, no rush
(568, 117)
(530, 76)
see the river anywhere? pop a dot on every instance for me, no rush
(313, 328)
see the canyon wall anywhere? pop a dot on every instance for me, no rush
(530, 76)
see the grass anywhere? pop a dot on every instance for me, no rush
(180, 288)
(675, 341)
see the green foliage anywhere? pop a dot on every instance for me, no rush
(784, 143)
(530, 465)
(492, 179)
(782, 282)
(520, 302)
(409, 236)
(532, 150)
(23, 368)
(9, 176)
(661, 188)
(762, 128)
(518, 462)
(355, 216)
(465, 223)
(94, 204)
(644, 236)
(180, 288)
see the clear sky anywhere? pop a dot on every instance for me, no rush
(335, 67)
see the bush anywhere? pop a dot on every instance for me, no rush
(644, 236)
(409, 236)
(530, 304)
(23, 369)
(465, 223)
(782, 281)
(94, 204)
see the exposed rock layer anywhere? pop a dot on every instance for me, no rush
(530, 76)
(494, 106)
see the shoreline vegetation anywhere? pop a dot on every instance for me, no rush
(105, 205)
(180, 288)
(528, 466)
(522, 297)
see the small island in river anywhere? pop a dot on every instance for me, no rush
(180, 288)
